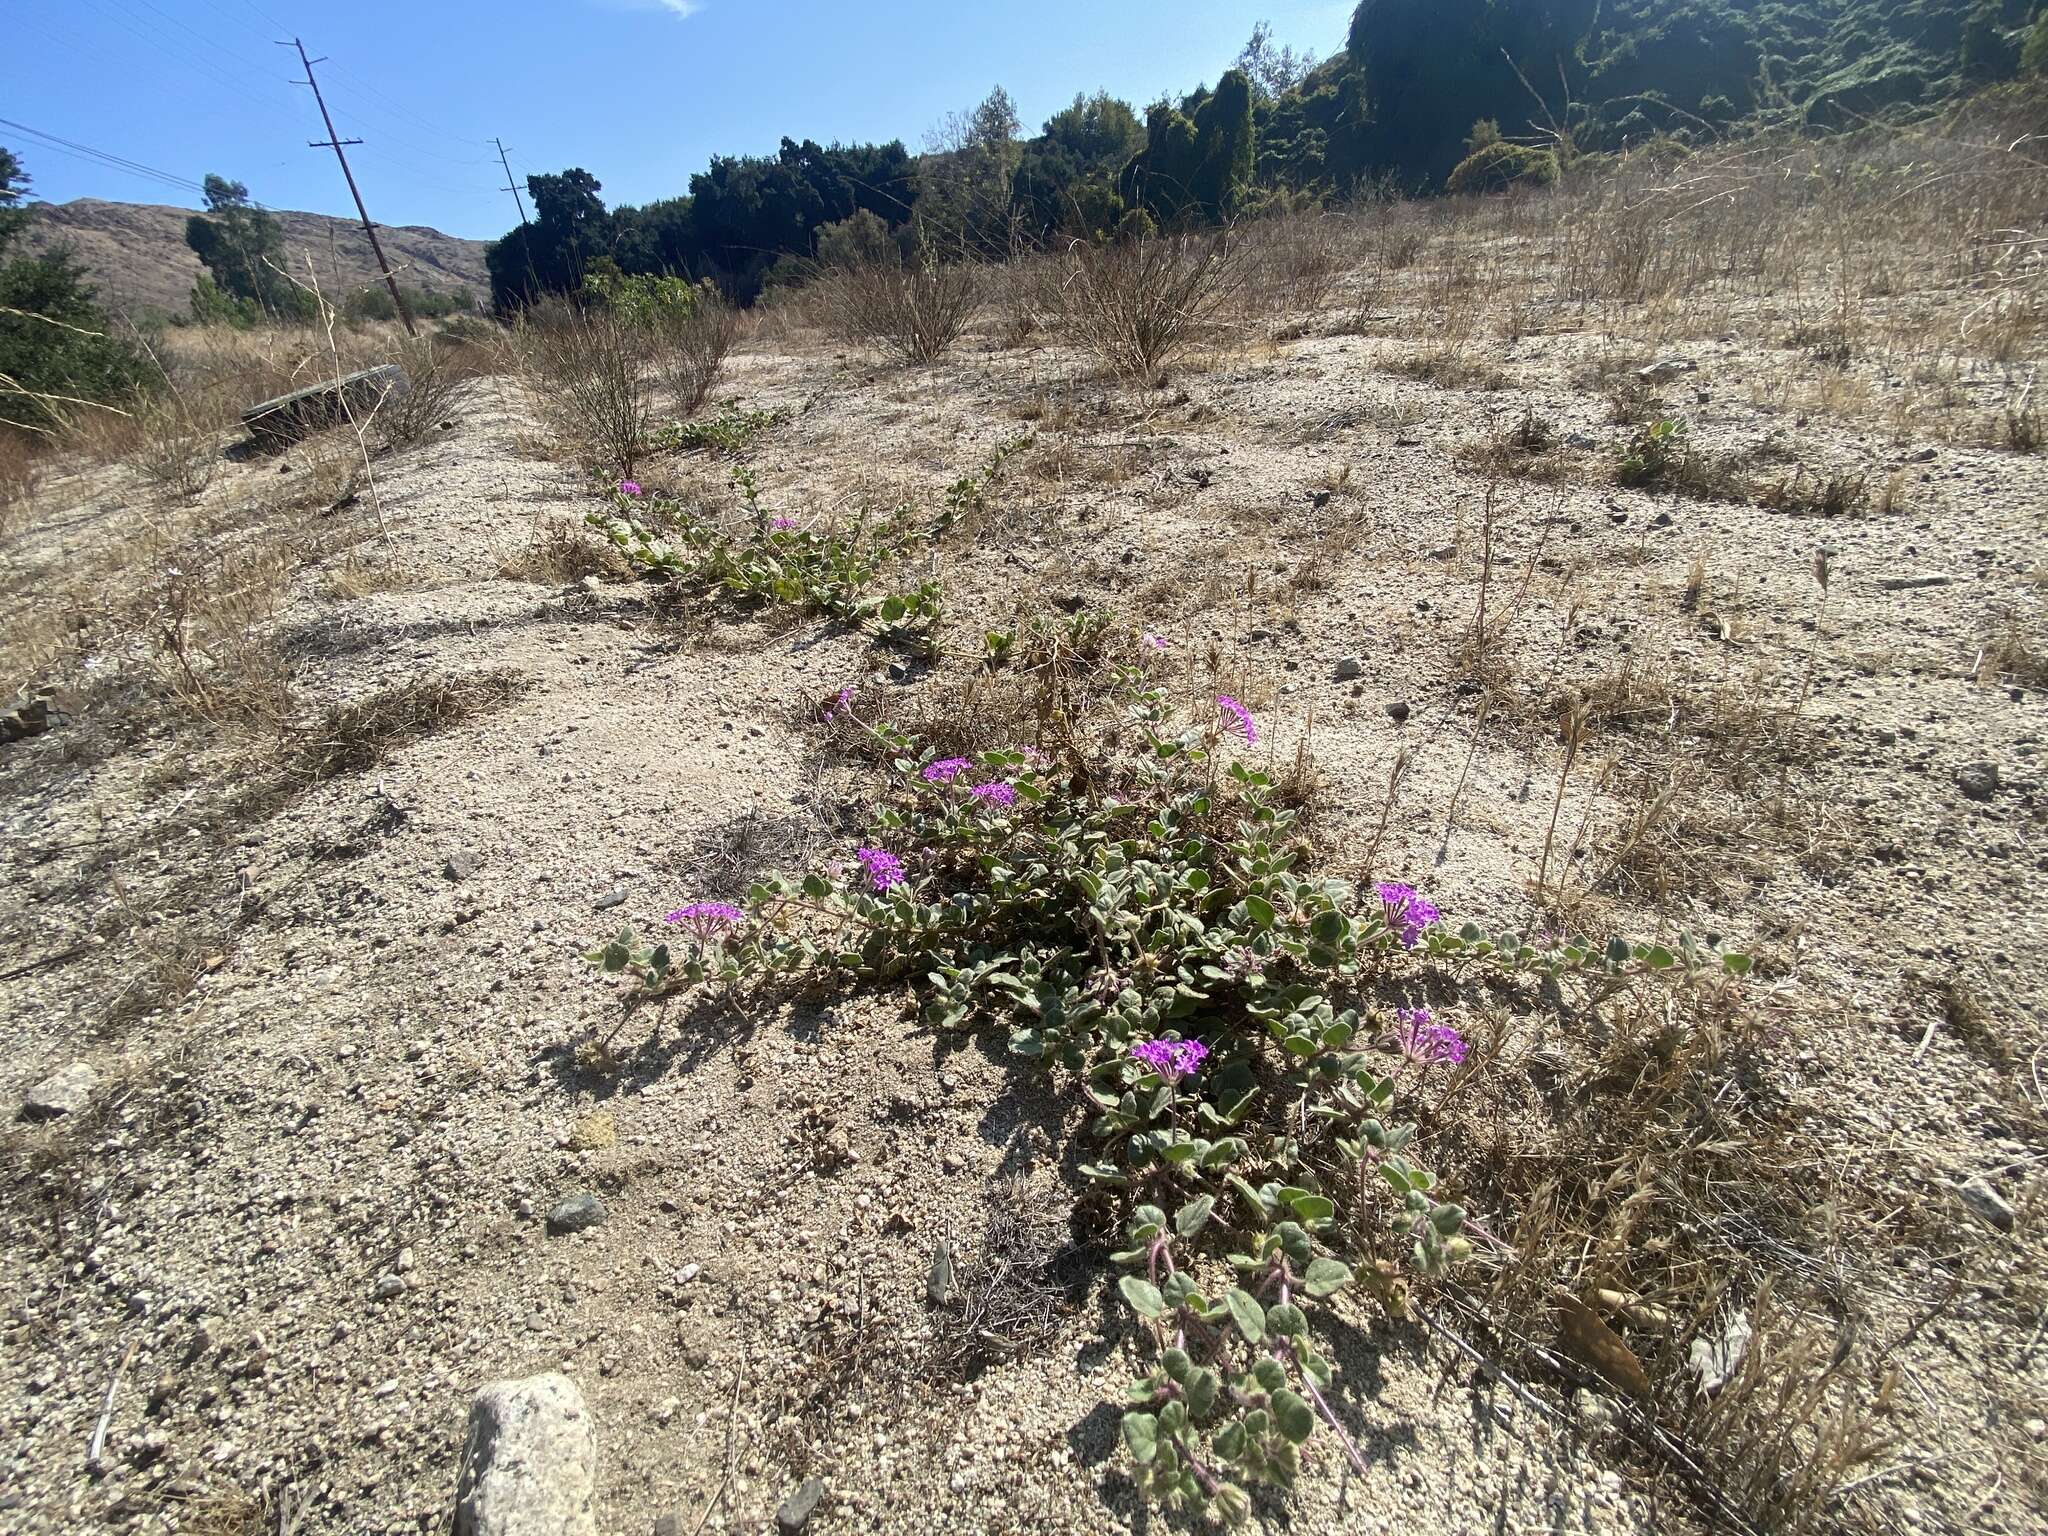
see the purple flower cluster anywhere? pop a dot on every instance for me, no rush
(1171, 1059)
(1408, 911)
(1156, 642)
(1426, 1043)
(842, 705)
(945, 770)
(997, 793)
(706, 921)
(883, 868)
(783, 524)
(1240, 718)
(629, 487)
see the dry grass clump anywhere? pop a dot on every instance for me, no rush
(587, 373)
(690, 349)
(1816, 494)
(1136, 304)
(2015, 656)
(1007, 1293)
(913, 310)
(560, 553)
(1447, 366)
(1524, 449)
(1650, 1233)
(211, 646)
(356, 736)
(21, 474)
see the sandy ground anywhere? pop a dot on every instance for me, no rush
(377, 1076)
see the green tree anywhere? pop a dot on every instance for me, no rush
(967, 179)
(1273, 70)
(243, 249)
(1226, 147)
(2034, 57)
(1989, 52)
(54, 346)
(1099, 132)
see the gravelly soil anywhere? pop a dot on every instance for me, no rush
(377, 1072)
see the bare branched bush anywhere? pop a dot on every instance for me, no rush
(690, 349)
(587, 371)
(1136, 304)
(175, 443)
(913, 311)
(437, 376)
(1295, 262)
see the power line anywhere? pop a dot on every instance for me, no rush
(104, 157)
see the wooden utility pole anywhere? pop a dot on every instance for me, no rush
(511, 185)
(334, 141)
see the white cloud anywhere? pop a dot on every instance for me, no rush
(680, 9)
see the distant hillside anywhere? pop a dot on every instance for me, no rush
(138, 258)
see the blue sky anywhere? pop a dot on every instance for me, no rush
(639, 92)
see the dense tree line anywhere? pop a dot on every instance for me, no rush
(1398, 107)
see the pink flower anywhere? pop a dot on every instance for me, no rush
(783, 524)
(1171, 1059)
(1240, 718)
(997, 793)
(629, 487)
(883, 868)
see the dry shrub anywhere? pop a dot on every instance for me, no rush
(176, 440)
(212, 649)
(1022, 293)
(21, 472)
(587, 372)
(1138, 303)
(690, 349)
(1654, 1200)
(912, 310)
(352, 737)
(1295, 262)
(560, 553)
(1448, 367)
(438, 373)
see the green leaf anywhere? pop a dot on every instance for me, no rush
(1326, 1277)
(1143, 1295)
(1203, 1387)
(1246, 1312)
(1194, 1216)
(1286, 1318)
(1313, 1207)
(1141, 1434)
(1736, 965)
(1270, 1374)
(1329, 927)
(1259, 910)
(1292, 1415)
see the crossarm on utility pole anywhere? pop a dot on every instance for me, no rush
(335, 141)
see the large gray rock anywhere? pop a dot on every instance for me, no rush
(529, 1464)
(64, 1092)
(290, 417)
